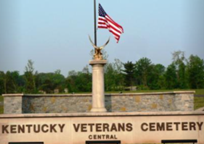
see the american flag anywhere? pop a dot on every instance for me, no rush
(105, 22)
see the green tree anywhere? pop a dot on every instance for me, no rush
(195, 69)
(84, 82)
(110, 77)
(79, 81)
(87, 76)
(113, 76)
(15, 77)
(44, 82)
(71, 81)
(171, 77)
(10, 82)
(2, 88)
(58, 80)
(48, 82)
(29, 78)
(120, 80)
(160, 71)
(143, 72)
(179, 62)
(129, 69)
(156, 77)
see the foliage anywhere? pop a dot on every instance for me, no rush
(195, 69)
(29, 78)
(79, 81)
(129, 69)
(114, 79)
(144, 72)
(1, 82)
(170, 77)
(10, 82)
(156, 77)
(182, 73)
(49, 81)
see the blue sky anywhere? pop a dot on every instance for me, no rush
(54, 33)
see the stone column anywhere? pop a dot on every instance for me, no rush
(98, 100)
(13, 103)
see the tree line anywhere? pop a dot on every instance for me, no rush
(182, 73)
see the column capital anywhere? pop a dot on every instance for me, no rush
(95, 62)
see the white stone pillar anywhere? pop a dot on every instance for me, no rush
(98, 99)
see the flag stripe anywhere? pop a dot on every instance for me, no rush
(115, 28)
(115, 31)
(117, 25)
(106, 22)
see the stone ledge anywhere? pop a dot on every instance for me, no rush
(150, 93)
(109, 114)
(57, 95)
(89, 95)
(200, 109)
(13, 95)
(45, 95)
(184, 92)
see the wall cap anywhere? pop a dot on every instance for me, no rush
(89, 94)
(151, 93)
(107, 114)
(100, 62)
(13, 95)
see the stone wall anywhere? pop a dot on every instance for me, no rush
(69, 103)
(56, 103)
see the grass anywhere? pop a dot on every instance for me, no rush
(198, 102)
(199, 91)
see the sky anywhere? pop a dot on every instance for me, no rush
(54, 33)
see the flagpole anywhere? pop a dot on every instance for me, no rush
(95, 30)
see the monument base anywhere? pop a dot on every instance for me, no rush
(98, 110)
(98, 128)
